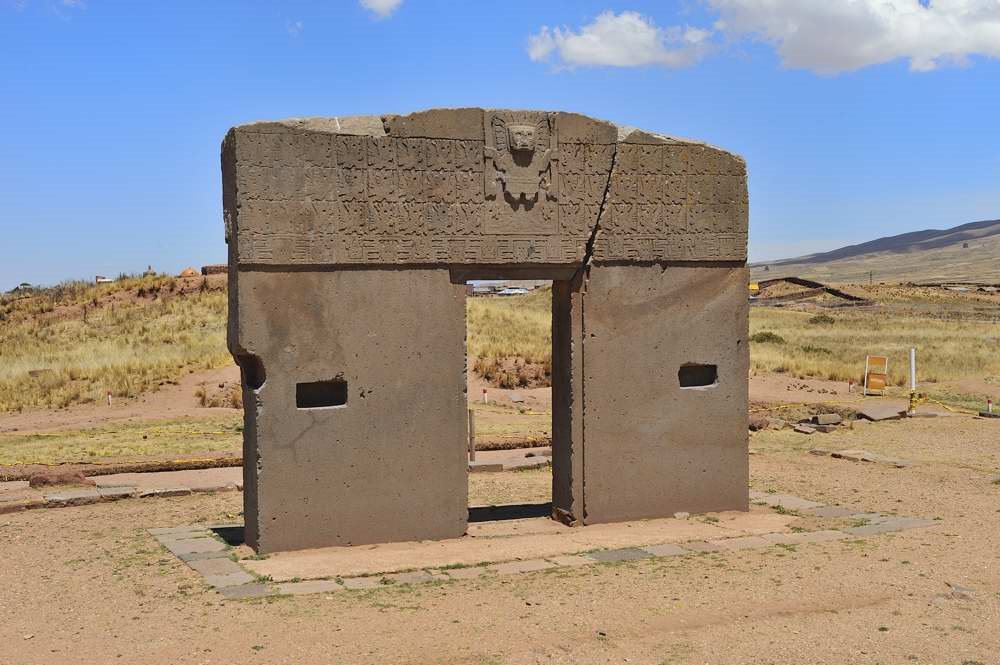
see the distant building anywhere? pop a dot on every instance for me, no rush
(101, 279)
(188, 272)
(512, 291)
(215, 269)
(149, 272)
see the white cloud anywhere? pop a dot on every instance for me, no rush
(381, 8)
(824, 36)
(620, 40)
(843, 35)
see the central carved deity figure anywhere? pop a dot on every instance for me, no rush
(521, 158)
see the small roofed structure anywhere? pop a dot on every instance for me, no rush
(101, 279)
(149, 272)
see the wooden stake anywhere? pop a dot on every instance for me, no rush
(472, 436)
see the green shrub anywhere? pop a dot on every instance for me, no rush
(822, 320)
(767, 337)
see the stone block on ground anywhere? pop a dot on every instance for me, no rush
(989, 414)
(829, 511)
(827, 419)
(527, 566)
(623, 554)
(804, 429)
(481, 467)
(55, 477)
(668, 549)
(741, 543)
(309, 586)
(245, 591)
(700, 546)
(194, 545)
(113, 493)
(825, 429)
(216, 566)
(881, 411)
(804, 537)
(229, 580)
(357, 583)
(164, 492)
(412, 577)
(73, 497)
(789, 502)
(571, 560)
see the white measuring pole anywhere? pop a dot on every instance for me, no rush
(913, 370)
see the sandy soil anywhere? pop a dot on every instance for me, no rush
(170, 401)
(88, 585)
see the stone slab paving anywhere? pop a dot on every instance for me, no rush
(623, 554)
(16, 495)
(205, 552)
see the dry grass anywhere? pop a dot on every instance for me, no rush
(510, 338)
(74, 343)
(128, 441)
(137, 333)
(834, 346)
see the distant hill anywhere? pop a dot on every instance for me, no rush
(966, 253)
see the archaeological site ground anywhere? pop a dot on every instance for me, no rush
(670, 466)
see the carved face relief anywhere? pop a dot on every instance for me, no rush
(522, 137)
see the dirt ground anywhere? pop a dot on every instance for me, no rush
(88, 585)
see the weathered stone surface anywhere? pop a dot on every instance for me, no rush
(652, 446)
(881, 411)
(164, 492)
(245, 591)
(804, 429)
(350, 240)
(412, 577)
(216, 566)
(827, 419)
(701, 546)
(113, 493)
(527, 566)
(194, 545)
(667, 549)
(73, 497)
(829, 511)
(309, 586)
(624, 554)
(229, 579)
(790, 502)
(803, 537)
(51, 477)
(571, 560)
(372, 582)
(476, 186)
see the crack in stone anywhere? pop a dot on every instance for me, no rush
(589, 253)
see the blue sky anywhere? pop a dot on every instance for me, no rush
(856, 124)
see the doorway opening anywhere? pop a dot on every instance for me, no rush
(511, 358)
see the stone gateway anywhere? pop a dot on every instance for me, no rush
(350, 242)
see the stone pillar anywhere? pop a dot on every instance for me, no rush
(357, 432)
(652, 446)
